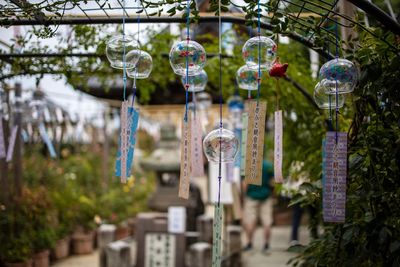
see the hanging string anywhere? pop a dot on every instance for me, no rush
(336, 83)
(220, 101)
(187, 60)
(329, 95)
(136, 70)
(278, 88)
(124, 48)
(259, 53)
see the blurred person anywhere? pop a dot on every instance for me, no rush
(258, 205)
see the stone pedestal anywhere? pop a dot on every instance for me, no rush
(118, 254)
(105, 235)
(200, 255)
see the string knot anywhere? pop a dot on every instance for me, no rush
(187, 86)
(188, 38)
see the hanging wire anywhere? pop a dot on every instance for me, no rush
(187, 60)
(259, 53)
(336, 83)
(220, 101)
(124, 48)
(136, 70)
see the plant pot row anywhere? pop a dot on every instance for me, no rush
(82, 243)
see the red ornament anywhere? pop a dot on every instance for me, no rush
(278, 70)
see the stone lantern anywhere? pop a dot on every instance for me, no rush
(165, 162)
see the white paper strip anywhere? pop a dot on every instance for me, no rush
(278, 153)
(11, 143)
(2, 143)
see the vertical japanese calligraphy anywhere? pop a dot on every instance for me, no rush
(278, 152)
(184, 180)
(255, 142)
(243, 144)
(127, 141)
(217, 235)
(335, 174)
(197, 164)
(2, 143)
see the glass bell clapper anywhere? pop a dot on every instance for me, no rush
(187, 54)
(143, 67)
(338, 74)
(327, 101)
(247, 78)
(259, 47)
(221, 141)
(197, 83)
(119, 45)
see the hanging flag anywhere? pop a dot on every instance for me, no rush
(127, 141)
(243, 144)
(335, 174)
(217, 235)
(278, 152)
(11, 143)
(184, 180)
(197, 164)
(2, 143)
(255, 142)
(46, 140)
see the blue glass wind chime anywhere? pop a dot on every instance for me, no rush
(337, 78)
(123, 52)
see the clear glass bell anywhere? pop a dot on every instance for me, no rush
(189, 51)
(197, 83)
(115, 51)
(221, 141)
(338, 73)
(262, 45)
(143, 67)
(322, 99)
(247, 78)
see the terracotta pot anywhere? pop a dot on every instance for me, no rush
(82, 243)
(122, 232)
(61, 249)
(20, 264)
(41, 259)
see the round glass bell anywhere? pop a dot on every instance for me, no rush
(322, 99)
(221, 141)
(189, 51)
(247, 78)
(196, 82)
(143, 67)
(338, 73)
(116, 46)
(263, 45)
(204, 100)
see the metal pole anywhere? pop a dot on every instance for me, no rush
(17, 159)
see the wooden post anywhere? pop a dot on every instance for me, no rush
(3, 164)
(17, 159)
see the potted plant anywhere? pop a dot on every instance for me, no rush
(16, 251)
(83, 236)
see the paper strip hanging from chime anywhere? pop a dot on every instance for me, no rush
(11, 143)
(197, 163)
(127, 141)
(335, 162)
(217, 235)
(255, 142)
(243, 144)
(46, 140)
(278, 143)
(3, 153)
(184, 180)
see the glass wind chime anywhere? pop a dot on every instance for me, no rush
(337, 78)
(123, 52)
(187, 59)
